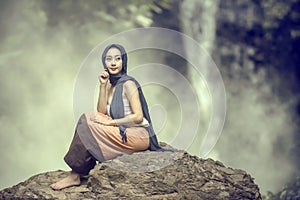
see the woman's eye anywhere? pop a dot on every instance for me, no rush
(118, 58)
(108, 59)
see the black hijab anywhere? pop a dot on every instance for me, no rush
(113, 78)
(117, 107)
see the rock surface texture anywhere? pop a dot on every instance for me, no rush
(136, 176)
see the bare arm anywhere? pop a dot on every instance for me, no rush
(132, 95)
(102, 99)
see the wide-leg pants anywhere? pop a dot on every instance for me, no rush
(93, 141)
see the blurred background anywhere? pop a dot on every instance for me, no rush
(255, 45)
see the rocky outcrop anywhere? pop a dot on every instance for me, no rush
(179, 176)
(290, 191)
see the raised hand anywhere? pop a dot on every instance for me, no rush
(103, 77)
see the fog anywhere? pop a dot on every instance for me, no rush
(259, 131)
(261, 118)
(37, 74)
(42, 49)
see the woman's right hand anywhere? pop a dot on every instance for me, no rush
(104, 76)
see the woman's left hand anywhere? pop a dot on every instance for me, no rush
(102, 120)
(107, 122)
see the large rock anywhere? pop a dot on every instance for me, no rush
(290, 191)
(145, 175)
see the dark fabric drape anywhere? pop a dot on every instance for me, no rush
(78, 157)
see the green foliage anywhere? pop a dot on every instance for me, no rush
(275, 11)
(126, 13)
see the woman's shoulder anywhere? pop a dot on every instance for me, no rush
(130, 81)
(130, 84)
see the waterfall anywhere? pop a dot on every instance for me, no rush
(198, 22)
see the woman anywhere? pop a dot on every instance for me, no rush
(122, 124)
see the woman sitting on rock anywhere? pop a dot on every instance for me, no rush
(122, 124)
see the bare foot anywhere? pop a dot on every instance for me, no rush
(72, 180)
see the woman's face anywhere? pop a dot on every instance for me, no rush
(113, 61)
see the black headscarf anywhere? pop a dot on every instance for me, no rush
(114, 78)
(117, 107)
